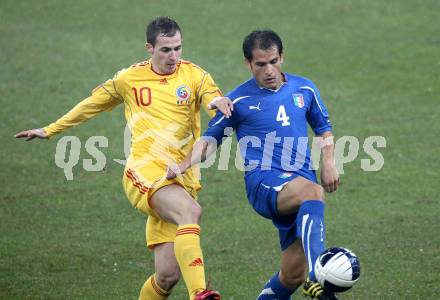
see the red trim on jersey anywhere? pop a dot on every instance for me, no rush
(140, 64)
(175, 71)
(142, 188)
(135, 182)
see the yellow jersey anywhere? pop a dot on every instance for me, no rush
(162, 112)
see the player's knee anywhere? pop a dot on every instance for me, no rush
(193, 213)
(189, 213)
(296, 281)
(166, 280)
(314, 191)
(319, 192)
(196, 212)
(294, 278)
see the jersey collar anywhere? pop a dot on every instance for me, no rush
(274, 91)
(167, 76)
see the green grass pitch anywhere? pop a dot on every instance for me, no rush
(377, 65)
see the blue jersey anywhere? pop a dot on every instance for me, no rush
(271, 126)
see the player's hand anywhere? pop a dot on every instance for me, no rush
(329, 177)
(175, 170)
(223, 104)
(31, 134)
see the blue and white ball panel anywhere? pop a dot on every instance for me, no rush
(337, 269)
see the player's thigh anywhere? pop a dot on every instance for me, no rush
(293, 264)
(174, 204)
(165, 262)
(295, 192)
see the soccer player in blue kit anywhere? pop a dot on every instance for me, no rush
(270, 116)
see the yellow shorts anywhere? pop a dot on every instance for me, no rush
(139, 191)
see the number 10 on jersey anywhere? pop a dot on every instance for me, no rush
(144, 98)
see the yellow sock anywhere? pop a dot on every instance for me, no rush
(190, 258)
(152, 291)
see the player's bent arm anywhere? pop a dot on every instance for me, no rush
(329, 173)
(212, 98)
(201, 150)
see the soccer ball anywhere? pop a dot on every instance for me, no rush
(337, 269)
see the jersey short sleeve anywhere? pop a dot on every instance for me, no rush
(317, 115)
(219, 127)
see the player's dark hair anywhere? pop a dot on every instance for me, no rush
(261, 39)
(161, 26)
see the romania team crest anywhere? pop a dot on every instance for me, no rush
(298, 100)
(183, 92)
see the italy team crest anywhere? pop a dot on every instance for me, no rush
(183, 92)
(298, 100)
(284, 175)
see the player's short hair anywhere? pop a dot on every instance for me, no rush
(261, 39)
(161, 26)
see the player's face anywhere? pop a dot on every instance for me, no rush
(266, 67)
(166, 53)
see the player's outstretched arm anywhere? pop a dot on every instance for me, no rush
(202, 149)
(99, 101)
(32, 133)
(329, 173)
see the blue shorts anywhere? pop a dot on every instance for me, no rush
(262, 189)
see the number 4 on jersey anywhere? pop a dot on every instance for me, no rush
(282, 116)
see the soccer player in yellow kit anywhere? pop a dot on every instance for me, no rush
(162, 99)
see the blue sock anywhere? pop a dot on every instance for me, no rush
(310, 227)
(274, 289)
